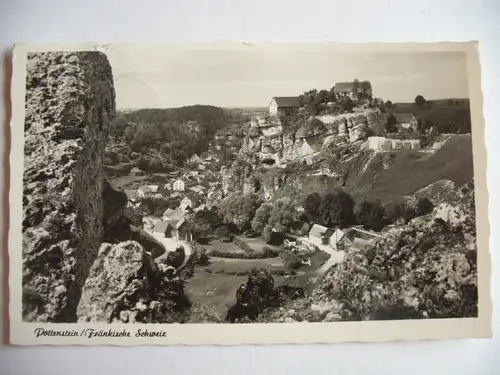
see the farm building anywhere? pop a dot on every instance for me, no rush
(144, 191)
(179, 185)
(352, 89)
(386, 144)
(320, 235)
(407, 121)
(179, 230)
(283, 105)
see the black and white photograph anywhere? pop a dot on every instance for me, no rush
(247, 185)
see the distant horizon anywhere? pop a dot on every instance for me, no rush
(147, 77)
(265, 107)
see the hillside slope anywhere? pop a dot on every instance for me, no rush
(366, 174)
(388, 176)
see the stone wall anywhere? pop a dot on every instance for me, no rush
(70, 104)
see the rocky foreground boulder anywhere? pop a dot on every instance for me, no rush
(258, 294)
(126, 286)
(70, 104)
(69, 209)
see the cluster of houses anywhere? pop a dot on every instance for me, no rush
(173, 224)
(192, 186)
(353, 238)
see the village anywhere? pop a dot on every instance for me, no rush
(218, 214)
(198, 187)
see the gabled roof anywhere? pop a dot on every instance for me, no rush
(161, 226)
(196, 188)
(145, 189)
(344, 87)
(131, 194)
(154, 188)
(286, 101)
(403, 117)
(178, 180)
(319, 231)
(338, 235)
(173, 214)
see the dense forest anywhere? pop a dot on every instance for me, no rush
(175, 133)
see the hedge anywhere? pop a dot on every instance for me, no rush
(269, 253)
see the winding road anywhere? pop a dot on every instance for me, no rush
(170, 245)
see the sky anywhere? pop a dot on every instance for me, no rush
(156, 77)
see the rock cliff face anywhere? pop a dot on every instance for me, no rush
(70, 103)
(271, 140)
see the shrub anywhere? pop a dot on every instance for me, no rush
(371, 215)
(291, 260)
(424, 207)
(242, 245)
(176, 258)
(254, 255)
(267, 233)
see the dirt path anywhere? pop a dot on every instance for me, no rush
(336, 256)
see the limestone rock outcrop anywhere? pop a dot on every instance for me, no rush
(126, 286)
(270, 139)
(70, 103)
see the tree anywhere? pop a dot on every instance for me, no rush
(267, 233)
(420, 101)
(336, 209)
(347, 104)
(261, 217)
(311, 205)
(388, 104)
(283, 215)
(239, 210)
(371, 215)
(176, 258)
(390, 125)
(424, 207)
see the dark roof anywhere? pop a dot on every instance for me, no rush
(145, 189)
(173, 214)
(287, 101)
(403, 117)
(344, 87)
(349, 86)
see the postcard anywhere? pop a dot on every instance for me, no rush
(236, 193)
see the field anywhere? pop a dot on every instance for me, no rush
(216, 289)
(217, 244)
(214, 286)
(128, 182)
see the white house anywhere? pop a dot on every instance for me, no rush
(186, 203)
(178, 185)
(144, 191)
(386, 144)
(170, 214)
(282, 104)
(320, 235)
(376, 143)
(198, 189)
(153, 188)
(195, 159)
